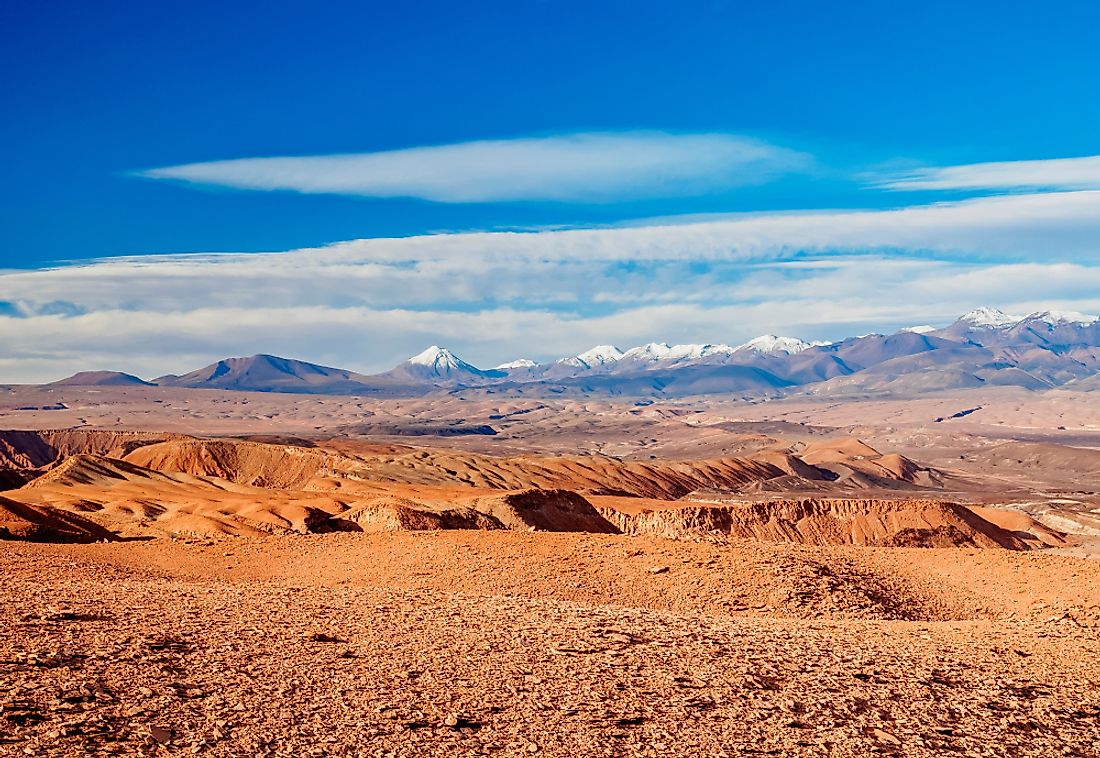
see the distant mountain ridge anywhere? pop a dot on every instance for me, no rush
(101, 379)
(266, 373)
(983, 347)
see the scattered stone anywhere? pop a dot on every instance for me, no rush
(321, 637)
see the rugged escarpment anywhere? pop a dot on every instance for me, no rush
(902, 523)
(527, 510)
(26, 455)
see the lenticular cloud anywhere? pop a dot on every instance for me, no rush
(590, 167)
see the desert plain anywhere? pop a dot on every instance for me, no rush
(225, 573)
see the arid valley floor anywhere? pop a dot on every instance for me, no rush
(232, 573)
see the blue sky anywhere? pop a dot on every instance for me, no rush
(132, 129)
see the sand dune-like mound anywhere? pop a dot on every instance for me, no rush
(20, 521)
(545, 511)
(837, 451)
(1023, 526)
(857, 465)
(903, 523)
(94, 469)
(792, 465)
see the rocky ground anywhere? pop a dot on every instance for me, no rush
(532, 644)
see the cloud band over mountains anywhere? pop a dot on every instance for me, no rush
(367, 304)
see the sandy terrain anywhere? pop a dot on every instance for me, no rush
(294, 575)
(472, 643)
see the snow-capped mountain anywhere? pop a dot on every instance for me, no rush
(989, 318)
(1058, 318)
(599, 356)
(650, 353)
(687, 353)
(995, 329)
(921, 329)
(770, 344)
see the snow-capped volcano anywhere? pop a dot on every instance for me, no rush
(770, 344)
(601, 355)
(989, 318)
(439, 363)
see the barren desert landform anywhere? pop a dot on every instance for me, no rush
(225, 573)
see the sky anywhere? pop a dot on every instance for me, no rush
(347, 183)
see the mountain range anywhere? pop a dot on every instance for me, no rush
(983, 347)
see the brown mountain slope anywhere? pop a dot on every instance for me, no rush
(283, 466)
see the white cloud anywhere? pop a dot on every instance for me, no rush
(1058, 173)
(589, 167)
(565, 269)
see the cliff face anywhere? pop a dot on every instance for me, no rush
(902, 523)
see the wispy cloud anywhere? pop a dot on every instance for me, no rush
(585, 167)
(1059, 174)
